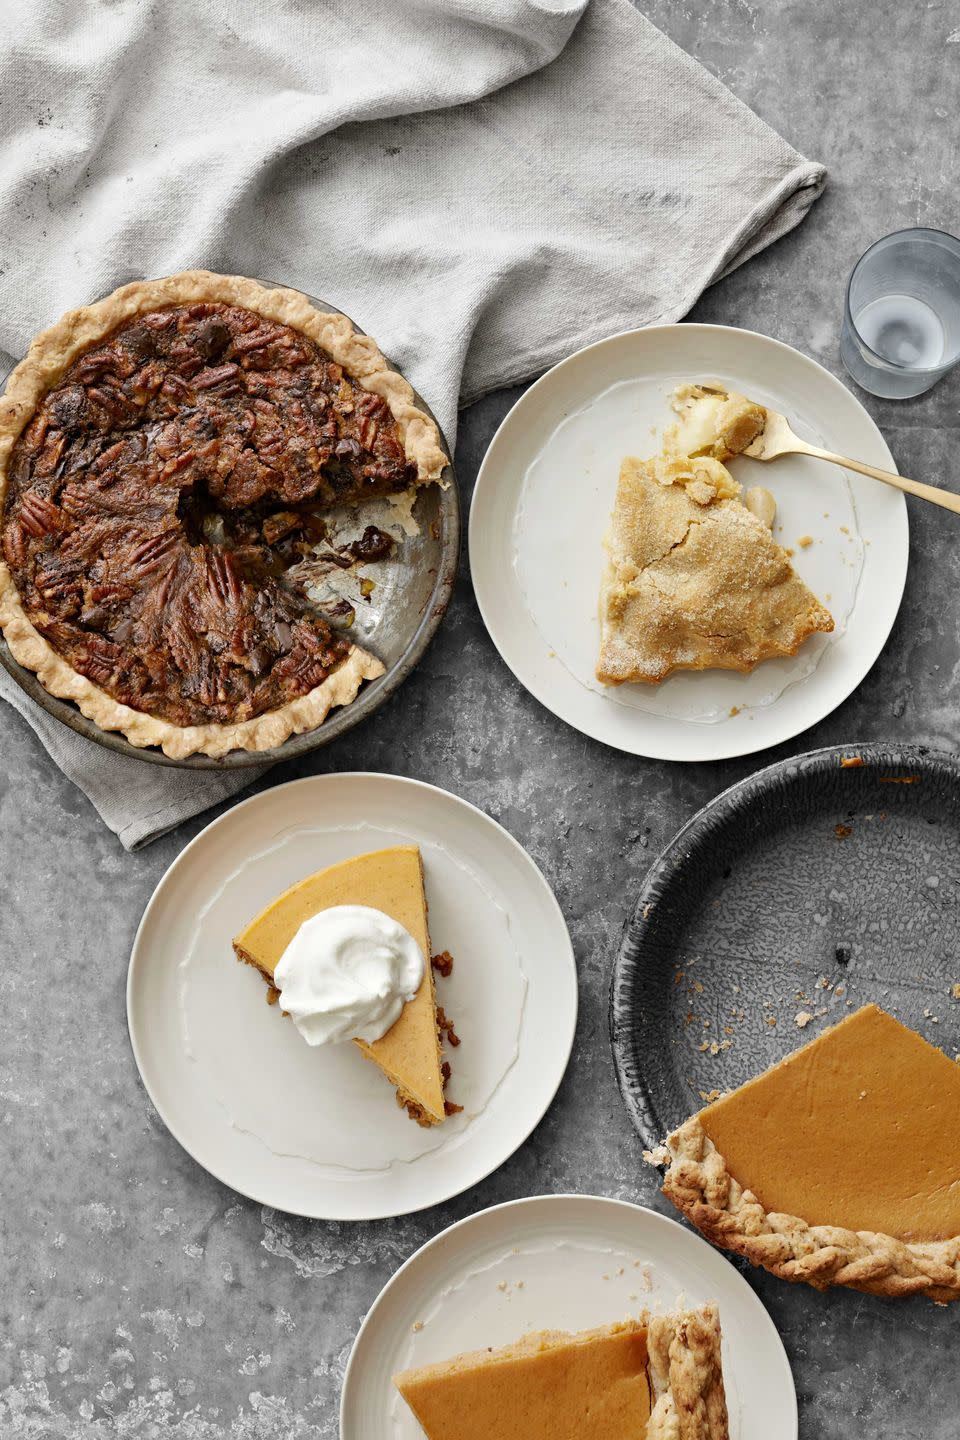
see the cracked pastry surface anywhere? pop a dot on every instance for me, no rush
(693, 579)
(166, 456)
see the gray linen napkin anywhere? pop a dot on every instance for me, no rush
(484, 185)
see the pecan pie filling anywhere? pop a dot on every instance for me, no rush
(163, 494)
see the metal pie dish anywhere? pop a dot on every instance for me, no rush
(817, 885)
(420, 574)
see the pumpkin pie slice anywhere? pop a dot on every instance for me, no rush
(653, 1378)
(694, 579)
(390, 880)
(839, 1166)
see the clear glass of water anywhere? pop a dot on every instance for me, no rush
(901, 319)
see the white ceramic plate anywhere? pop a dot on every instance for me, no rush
(317, 1131)
(564, 1262)
(542, 504)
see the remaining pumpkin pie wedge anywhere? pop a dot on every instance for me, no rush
(390, 881)
(694, 580)
(653, 1378)
(839, 1166)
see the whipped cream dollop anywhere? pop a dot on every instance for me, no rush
(347, 974)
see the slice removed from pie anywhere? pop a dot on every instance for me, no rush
(390, 880)
(694, 580)
(653, 1378)
(838, 1166)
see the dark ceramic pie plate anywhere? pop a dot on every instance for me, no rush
(811, 888)
(420, 575)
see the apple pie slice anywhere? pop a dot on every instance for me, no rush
(694, 579)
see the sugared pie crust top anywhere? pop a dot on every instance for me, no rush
(166, 456)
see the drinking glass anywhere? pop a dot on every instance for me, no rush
(901, 318)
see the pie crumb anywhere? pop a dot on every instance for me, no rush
(805, 541)
(501, 1285)
(802, 1019)
(734, 710)
(708, 1096)
(417, 1326)
(955, 991)
(442, 963)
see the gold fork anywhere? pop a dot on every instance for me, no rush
(776, 439)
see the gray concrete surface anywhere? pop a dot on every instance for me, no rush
(138, 1297)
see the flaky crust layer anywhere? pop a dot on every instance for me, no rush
(687, 1376)
(698, 1182)
(50, 356)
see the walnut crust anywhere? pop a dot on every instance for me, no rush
(687, 1376)
(698, 1182)
(50, 356)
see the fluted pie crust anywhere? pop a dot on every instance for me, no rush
(656, 1377)
(51, 355)
(860, 1123)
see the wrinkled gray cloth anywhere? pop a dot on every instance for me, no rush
(484, 185)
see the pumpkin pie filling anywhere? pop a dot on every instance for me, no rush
(165, 490)
(840, 1165)
(650, 1378)
(391, 881)
(872, 1092)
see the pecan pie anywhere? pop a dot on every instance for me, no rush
(167, 456)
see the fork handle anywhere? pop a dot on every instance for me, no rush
(944, 498)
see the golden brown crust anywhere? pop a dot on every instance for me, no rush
(694, 582)
(687, 1376)
(698, 1182)
(49, 357)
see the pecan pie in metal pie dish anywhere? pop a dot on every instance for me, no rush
(167, 456)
